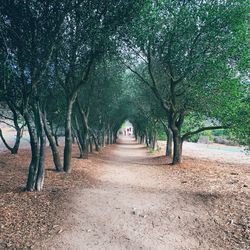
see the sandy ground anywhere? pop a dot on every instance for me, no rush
(213, 152)
(128, 198)
(142, 203)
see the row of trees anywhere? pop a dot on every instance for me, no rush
(80, 68)
(52, 58)
(194, 57)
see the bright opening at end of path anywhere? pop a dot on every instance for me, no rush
(126, 129)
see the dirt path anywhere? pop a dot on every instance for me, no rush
(134, 207)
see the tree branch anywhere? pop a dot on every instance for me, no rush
(4, 141)
(138, 75)
(188, 134)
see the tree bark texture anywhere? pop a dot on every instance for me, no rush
(53, 146)
(177, 157)
(169, 142)
(38, 144)
(68, 137)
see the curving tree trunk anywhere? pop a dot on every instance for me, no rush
(96, 141)
(78, 135)
(34, 144)
(83, 130)
(15, 148)
(19, 131)
(68, 136)
(42, 155)
(53, 146)
(38, 145)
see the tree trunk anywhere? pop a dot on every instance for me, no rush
(14, 149)
(83, 130)
(34, 144)
(103, 139)
(54, 133)
(79, 147)
(68, 137)
(78, 135)
(38, 145)
(19, 135)
(19, 131)
(97, 148)
(53, 146)
(177, 157)
(42, 155)
(85, 145)
(153, 141)
(115, 137)
(146, 139)
(108, 136)
(90, 145)
(56, 139)
(141, 139)
(96, 141)
(169, 142)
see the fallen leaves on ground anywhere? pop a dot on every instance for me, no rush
(29, 217)
(224, 191)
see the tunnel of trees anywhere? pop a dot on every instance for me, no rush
(81, 68)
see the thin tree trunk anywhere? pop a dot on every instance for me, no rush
(97, 148)
(16, 146)
(78, 135)
(153, 143)
(38, 145)
(141, 139)
(108, 136)
(85, 145)
(34, 144)
(19, 134)
(169, 142)
(19, 131)
(79, 147)
(55, 134)
(90, 145)
(56, 139)
(68, 137)
(42, 154)
(96, 142)
(146, 139)
(84, 130)
(115, 137)
(53, 146)
(103, 138)
(14, 149)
